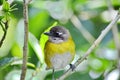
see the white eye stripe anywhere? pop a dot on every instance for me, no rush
(60, 33)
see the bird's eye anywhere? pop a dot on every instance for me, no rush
(57, 34)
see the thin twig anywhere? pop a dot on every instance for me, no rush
(5, 32)
(96, 43)
(3, 38)
(83, 31)
(2, 26)
(115, 33)
(25, 47)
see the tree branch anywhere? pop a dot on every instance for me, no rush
(115, 33)
(25, 47)
(83, 31)
(96, 43)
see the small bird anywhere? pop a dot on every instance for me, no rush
(59, 49)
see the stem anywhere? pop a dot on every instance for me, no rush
(115, 34)
(75, 21)
(3, 38)
(5, 32)
(2, 26)
(25, 47)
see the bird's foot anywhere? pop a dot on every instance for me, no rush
(72, 66)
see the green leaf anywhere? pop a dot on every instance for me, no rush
(36, 47)
(19, 62)
(44, 38)
(5, 62)
(1, 17)
(6, 6)
(16, 51)
(56, 75)
(79, 76)
(1, 2)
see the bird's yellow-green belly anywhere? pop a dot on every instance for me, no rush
(59, 55)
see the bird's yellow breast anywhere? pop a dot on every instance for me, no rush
(53, 49)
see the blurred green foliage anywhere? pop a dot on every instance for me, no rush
(43, 14)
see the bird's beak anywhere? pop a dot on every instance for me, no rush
(48, 33)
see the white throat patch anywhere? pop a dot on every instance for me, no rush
(56, 40)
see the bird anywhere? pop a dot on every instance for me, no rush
(59, 49)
